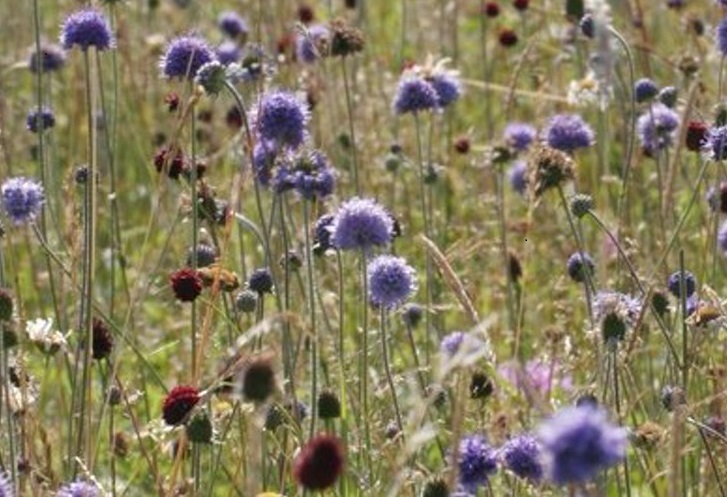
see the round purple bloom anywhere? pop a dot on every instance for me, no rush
(521, 455)
(519, 135)
(722, 237)
(414, 94)
(518, 175)
(715, 143)
(447, 86)
(260, 281)
(184, 56)
(228, 52)
(78, 489)
(579, 442)
(674, 283)
(52, 58)
(40, 119)
(322, 233)
(568, 132)
(309, 44)
(281, 120)
(656, 128)
(645, 89)
(22, 199)
(451, 343)
(263, 159)
(722, 36)
(607, 302)
(6, 485)
(232, 24)
(477, 461)
(391, 281)
(86, 28)
(579, 265)
(361, 224)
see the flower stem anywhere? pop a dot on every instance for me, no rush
(387, 370)
(351, 130)
(312, 310)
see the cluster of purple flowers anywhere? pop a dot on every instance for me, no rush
(656, 128)
(423, 88)
(310, 175)
(568, 133)
(311, 44)
(22, 199)
(87, 28)
(391, 281)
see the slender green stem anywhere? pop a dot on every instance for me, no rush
(312, 311)
(387, 370)
(351, 129)
(364, 402)
(427, 227)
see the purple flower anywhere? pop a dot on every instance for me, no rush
(521, 455)
(391, 281)
(477, 462)
(78, 489)
(232, 24)
(580, 264)
(52, 58)
(361, 224)
(40, 120)
(568, 132)
(519, 135)
(414, 94)
(722, 36)
(537, 375)
(579, 442)
(656, 128)
(6, 485)
(451, 343)
(280, 120)
(715, 143)
(22, 199)
(322, 233)
(228, 52)
(260, 281)
(184, 56)
(263, 160)
(518, 175)
(86, 28)
(447, 86)
(645, 89)
(308, 45)
(311, 176)
(256, 63)
(674, 283)
(722, 237)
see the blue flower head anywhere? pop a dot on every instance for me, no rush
(228, 52)
(322, 233)
(311, 45)
(656, 128)
(6, 485)
(674, 283)
(233, 25)
(722, 36)
(521, 455)
(184, 56)
(451, 343)
(477, 462)
(519, 135)
(579, 442)
(715, 144)
(518, 175)
(78, 489)
(361, 224)
(22, 199)
(280, 120)
(447, 86)
(645, 89)
(86, 28)
(38, 120)
(391, 281)
(310, 175)
(52, 58)
(579, 265)
(414, 94)
(568, 132)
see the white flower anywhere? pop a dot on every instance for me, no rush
(41, 333)
(583, 92)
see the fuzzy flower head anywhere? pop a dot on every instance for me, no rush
(178, 403)
(521, 455)
(87, 28)
(645, 89)
(714, 143)
(52, 58)
(414, 94)
(580, 267)
(519, 136)
(391, 281)
(186, 284)
(310, 175)
(361, 224)
(445, 81)
(78, 489)
(6, 485)
(615, 313)
(184, 56)
(228, 52)
(674, 283)
(656, 128)
(23, 199)
(322, 234)
(38, 120)
(451, 343)
(579, 442)
(41, 333)
(518, 176)
(232, 25)
(568, 133)
(477, 462)
(320, 463)
(312, 44)
(280, 120)
(211, 77)
(549, 168)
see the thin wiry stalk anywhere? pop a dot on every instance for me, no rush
(351, 129)
(312, 310)
(387, 370)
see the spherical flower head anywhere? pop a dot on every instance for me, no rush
(186, 284)
(580, 266)
(668, 96)
(615, 313)
(22, 199)
(477, 462)
(178, 403)
(722, 36)
(412, 315)
(206, 255)
(263, 159)
(675, 281)
(87, 28)
(568, 133)
(588, 25)
(329, 405)
(714, 142)
(579, 442)
(521, 455)
(211, 77)
(391, 281)
(38, 120)
(232, 24)
(184, 56)
(310, 176)
(519, 136)
(228, 53)
(451, 343)
(361, 224)
(518, 176)
(78, 489)
(491, 9)
(280, 120)
(260, 281)
(6, 485)
(414, 94)
(549, 168)
(6, 306)
(320, 463)
(697, 132)
(257, 380)
(656, 128)
(322, 234)
(52, 58)
(645, 89)
(447, 86)
(103, 340)
(246, 301)
(312, 44)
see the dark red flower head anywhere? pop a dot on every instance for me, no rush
(320, 463)
(696, 133)
(462, 145)
(172, 162)
(178, 403)
(172, 101)
(491, 9)
(103, 340)
(186, 284)
(521, 5)
(257, 382)
(508, 37)
(306, 14)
